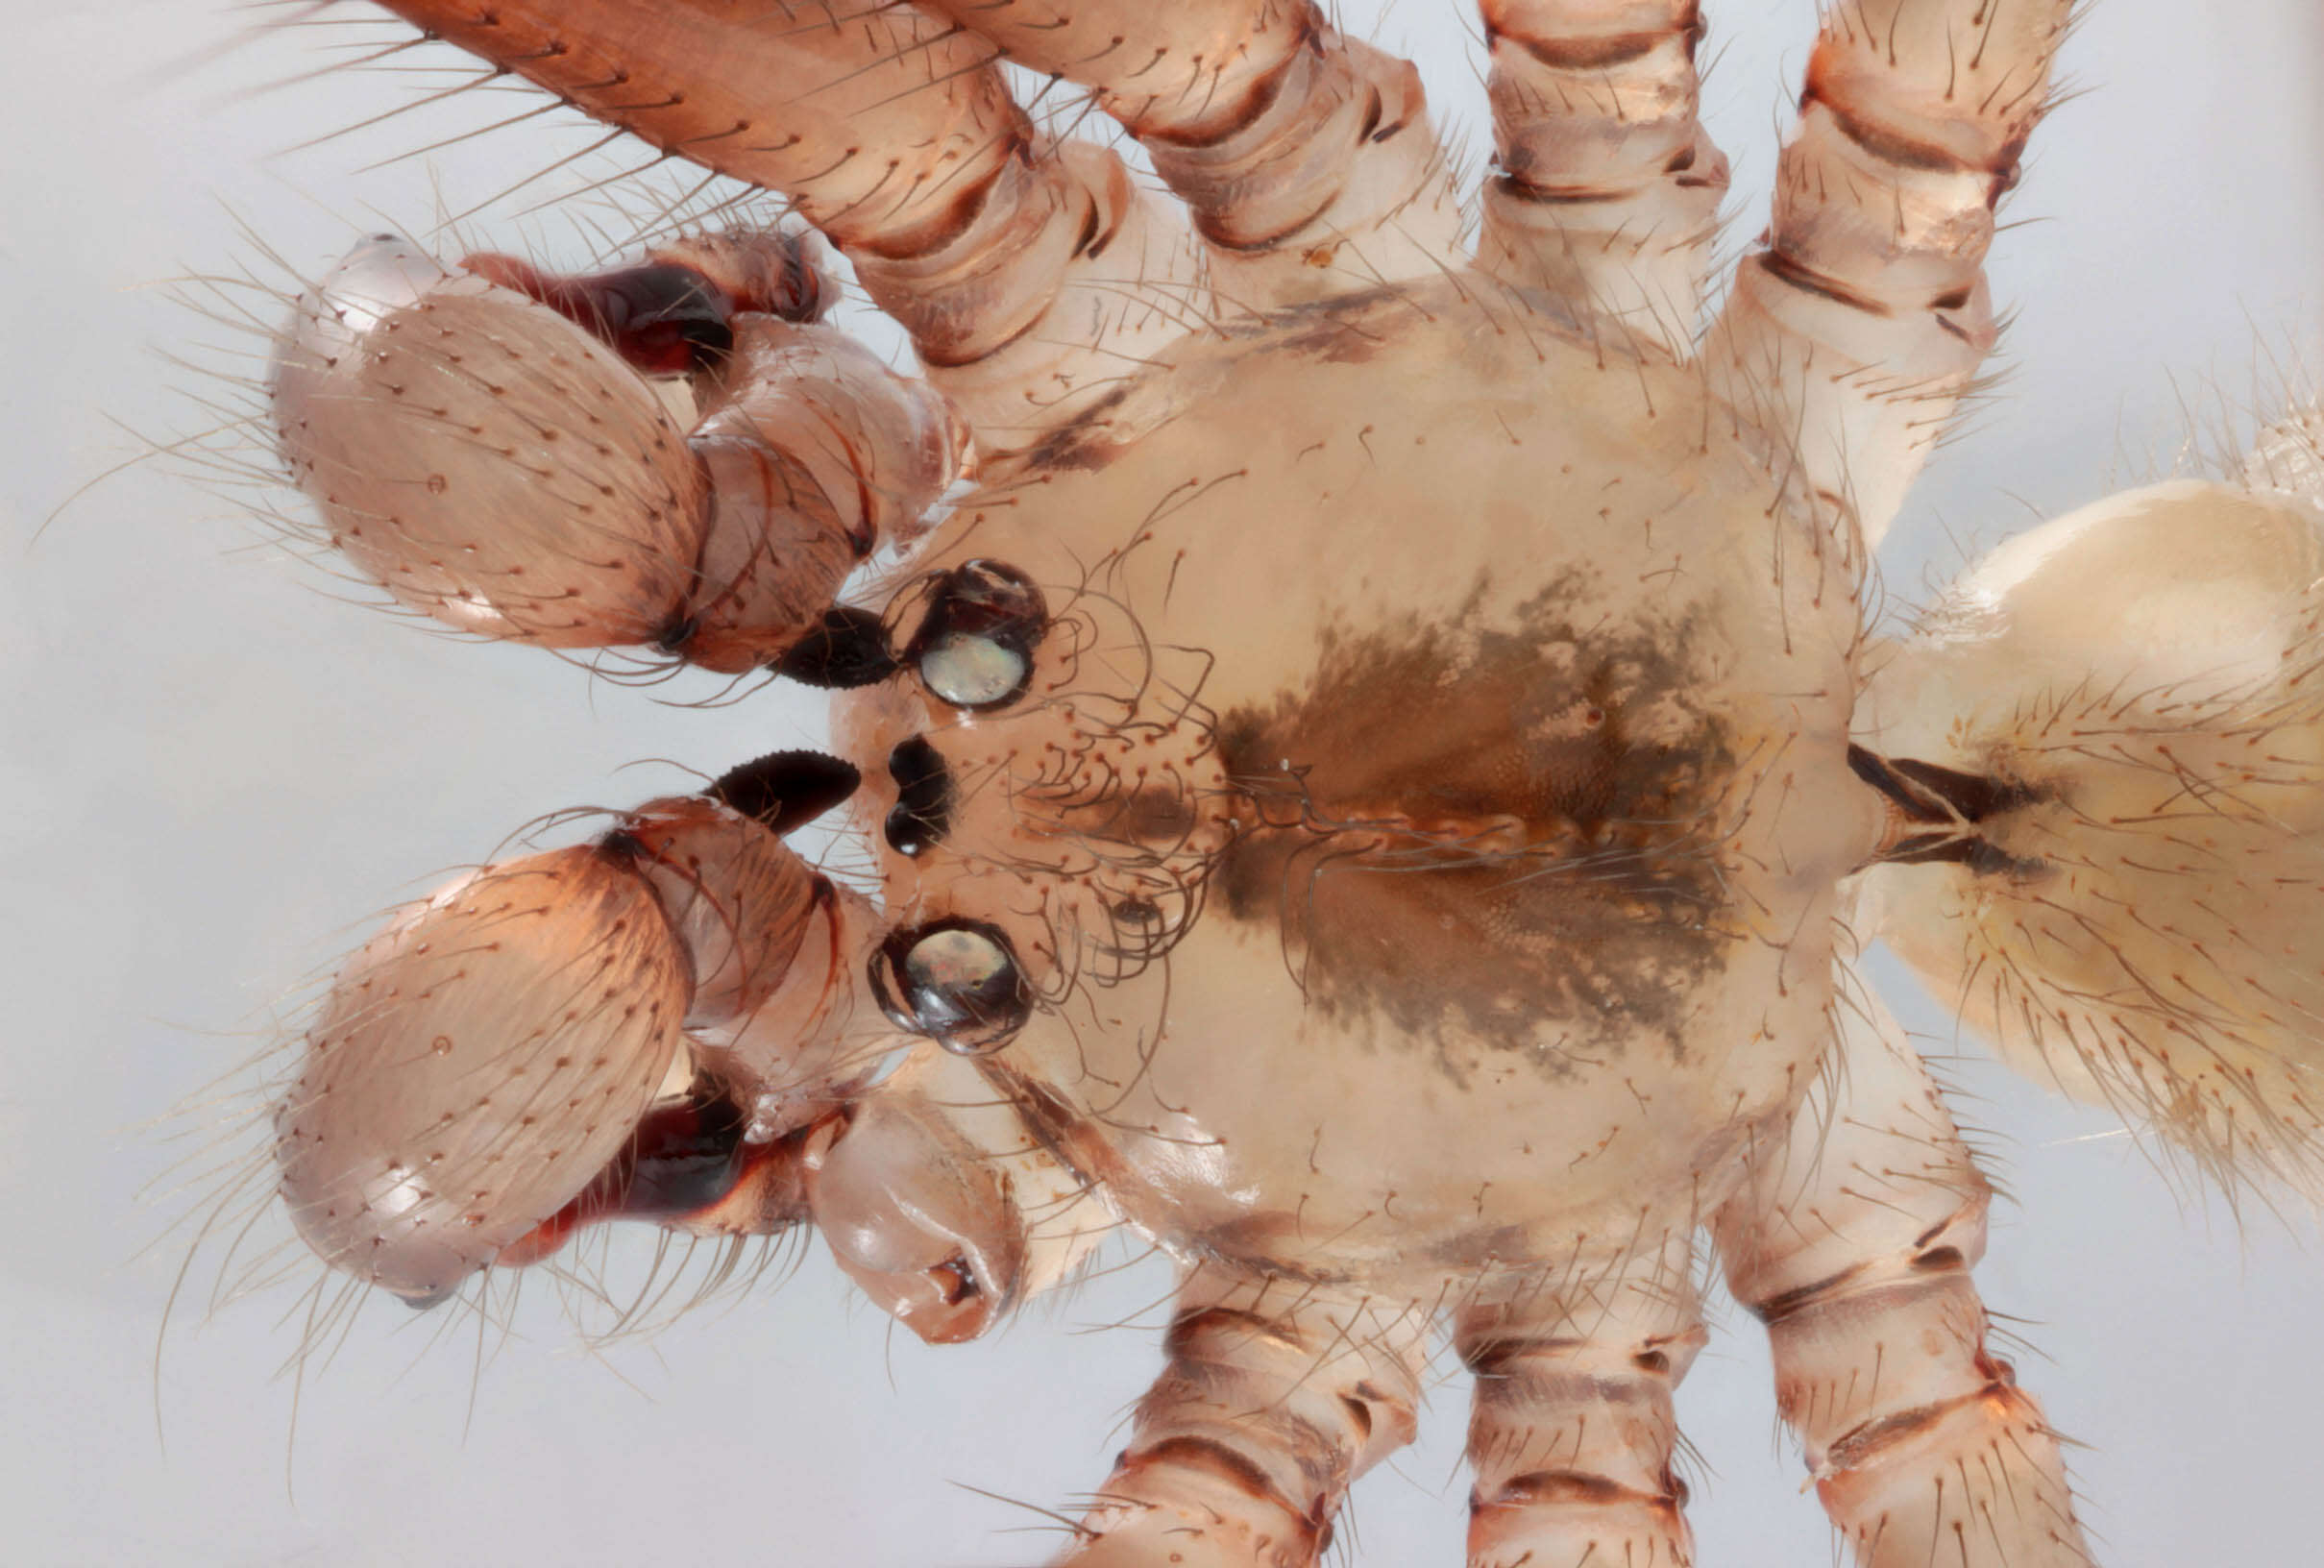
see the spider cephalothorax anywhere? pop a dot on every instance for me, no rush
(1368, 743)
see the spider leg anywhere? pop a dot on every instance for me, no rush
(1854, 329)
(481, 443)
(1024, 272)
(1853, 1239)
(1571, 1430)
(1608, 189)
(1308, 157)
(1278, 1395)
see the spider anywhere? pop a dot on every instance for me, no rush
(986, 591)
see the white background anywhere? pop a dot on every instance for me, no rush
(212, 772)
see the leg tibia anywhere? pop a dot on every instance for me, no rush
(1853, 1239)
(1608, 191)
(1571, 1431)
(1274, 1399)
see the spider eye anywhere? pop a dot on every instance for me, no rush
(923, 797)
(975, 648)
(955, 981)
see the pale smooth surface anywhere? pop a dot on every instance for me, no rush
(217, 775)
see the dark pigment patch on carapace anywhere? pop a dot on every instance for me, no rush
(1510, 833)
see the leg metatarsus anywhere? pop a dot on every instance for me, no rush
(1853, 1239)
(1853, 331)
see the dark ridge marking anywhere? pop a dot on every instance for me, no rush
(1537, 865)
(1860, 1447)
(1492, 1357)
(1189, 1329)
(1063, 1131)
(922, 813)
(934, 352)
(1088, 232)
(1515, 184)
(1790, 1303)
(1939, 1257)
(1594, 53)
(1909, 151)
(1809, 280)
(1256, 100)
(1210, 1455)
(786, 790)
(1545, 1488)
(847, 648)
(929, 236)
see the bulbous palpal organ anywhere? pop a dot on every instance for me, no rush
(1376, 768)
